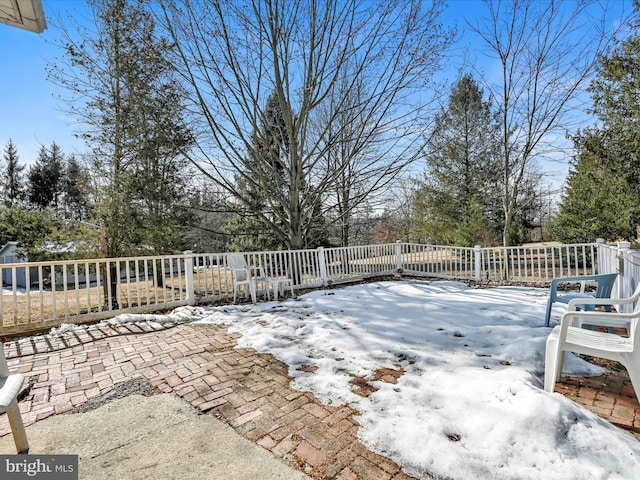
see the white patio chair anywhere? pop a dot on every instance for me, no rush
(245, 276)
(10, 386)
(569, 337)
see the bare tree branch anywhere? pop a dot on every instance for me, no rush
(234, 54)
(546, 53)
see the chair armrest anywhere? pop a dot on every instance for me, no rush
(605, 301)
(568, 317)
(238, 269)
(574, 303)
(577, 278)
(575, 319)
(10, 390)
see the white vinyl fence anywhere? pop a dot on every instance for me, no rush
(622, 260)
(90, 290)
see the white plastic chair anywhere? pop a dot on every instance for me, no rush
(243, 275)
(10, 386)
(568, 337)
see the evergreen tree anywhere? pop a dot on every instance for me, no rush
(75, 190)
(460, 201)
(27, 227)
(597, 202)
(45, 177)
(256, 216)
(602, 196)
(132, 108)
(160, 174)
(212, 214)
(529, 207)
(12, 177)
(38, 188)
(37, 230)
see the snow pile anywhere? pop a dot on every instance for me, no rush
(175, 317)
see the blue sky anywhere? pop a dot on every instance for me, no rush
(31, 116)
(29, 113)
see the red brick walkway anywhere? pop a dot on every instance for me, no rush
(249, 391)
(610, 396)
(199, 363)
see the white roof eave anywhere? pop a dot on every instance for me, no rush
(26, 14)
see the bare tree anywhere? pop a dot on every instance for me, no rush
(234, 54)
(357, 156)
(546, 53)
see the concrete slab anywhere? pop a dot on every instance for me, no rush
(160, 436)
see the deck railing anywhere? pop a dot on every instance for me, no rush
(41, 295)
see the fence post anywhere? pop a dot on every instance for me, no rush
(322, 265)
(600, 261)
(477, 253)
(621, 257)
(398, 256)
(188, 272)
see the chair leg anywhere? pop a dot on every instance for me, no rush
(633, 367)
(551, 361)
(17, 428)
(560, 364)
(252, 291)
(547, 317)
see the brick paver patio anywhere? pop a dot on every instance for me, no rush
(249, 391)
(610, 396)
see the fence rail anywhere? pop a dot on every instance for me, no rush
(38, 296)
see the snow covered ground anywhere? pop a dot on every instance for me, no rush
(468, 402)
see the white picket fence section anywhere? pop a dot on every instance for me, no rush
(524, 264)
(90, 290)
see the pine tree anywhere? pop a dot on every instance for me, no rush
(602, 196)
(264, 171)
(45, 177)
(597, 202)
(75, 190)
(132, 108)
(460, 201)
(160, 175)
(266, 187)
(12, 177)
